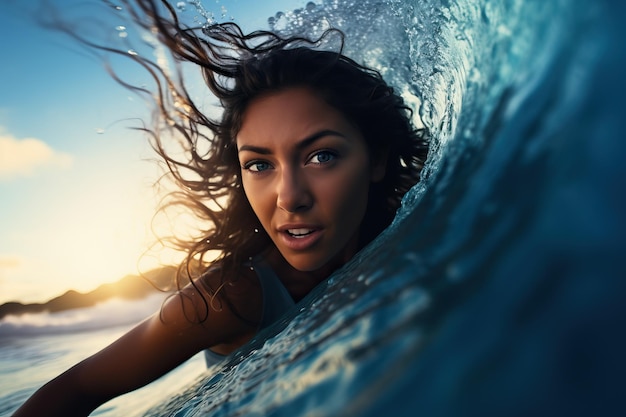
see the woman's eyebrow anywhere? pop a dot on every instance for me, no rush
(300, 145)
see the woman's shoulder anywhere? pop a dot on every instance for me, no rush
(227, 304)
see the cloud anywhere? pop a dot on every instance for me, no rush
(9, 261)
(24, 157)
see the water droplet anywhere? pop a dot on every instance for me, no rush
(256, 230)
(132, 52)
(120, 28)
(181, 5)
(114, 6)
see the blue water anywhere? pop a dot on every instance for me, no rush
(34, 348)
(498, 290)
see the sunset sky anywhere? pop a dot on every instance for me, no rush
(76, 195)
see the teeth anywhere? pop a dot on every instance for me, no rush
(299, 232)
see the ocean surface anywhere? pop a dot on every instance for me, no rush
(498, 290)
(35, 348)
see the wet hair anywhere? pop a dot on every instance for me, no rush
(237, 68)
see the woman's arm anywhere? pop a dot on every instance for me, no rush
(151, 349)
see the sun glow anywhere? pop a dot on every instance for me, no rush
(80, 228)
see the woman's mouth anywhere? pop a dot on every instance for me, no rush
(299, 233)
(299, 238)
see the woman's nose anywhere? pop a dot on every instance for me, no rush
(293, 193)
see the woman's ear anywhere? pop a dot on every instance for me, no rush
(379, 165)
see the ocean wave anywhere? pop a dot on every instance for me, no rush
(114, 312)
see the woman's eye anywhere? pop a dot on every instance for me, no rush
(257, 166)
(323, 157)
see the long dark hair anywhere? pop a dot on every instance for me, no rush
(238, 67)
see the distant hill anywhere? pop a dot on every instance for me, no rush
(129, 287)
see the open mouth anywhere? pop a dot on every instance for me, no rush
(300, 237)
(299, 233)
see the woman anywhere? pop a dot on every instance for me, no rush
(307, 165)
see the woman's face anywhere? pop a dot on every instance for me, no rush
(306, 172)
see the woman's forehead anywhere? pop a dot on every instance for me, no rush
(292, 115)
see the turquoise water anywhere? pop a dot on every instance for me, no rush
(498, 289)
